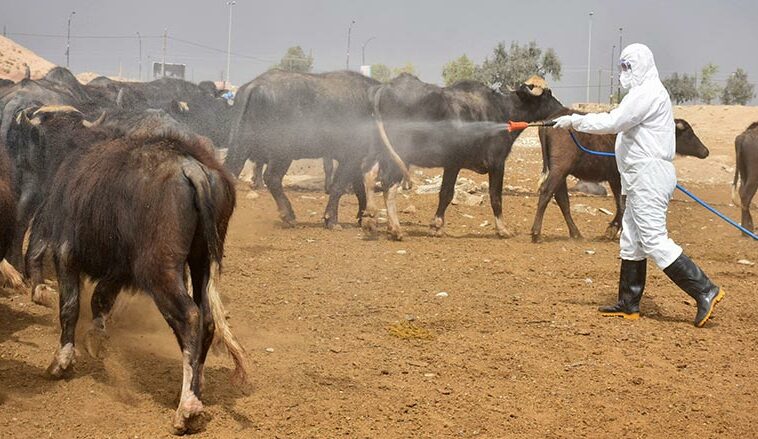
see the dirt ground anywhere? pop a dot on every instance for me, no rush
(348, 337)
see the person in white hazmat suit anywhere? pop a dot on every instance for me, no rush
(645, 148)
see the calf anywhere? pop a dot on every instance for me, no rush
(746, 172)
(135, 213)
(561, 158)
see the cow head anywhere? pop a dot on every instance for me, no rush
(687, 142)
(535, 100)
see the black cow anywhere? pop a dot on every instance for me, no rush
(457, 127)
(135, 213)
(8, 275)
(746, 172)
(284, 116)
(561, 158)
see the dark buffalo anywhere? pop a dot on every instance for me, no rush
(8, 275)
(561, 158)
(746, 172)
(136, 213)
(457, 127)
(284, 116)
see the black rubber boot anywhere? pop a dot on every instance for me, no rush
(631, 287)
(690, 278)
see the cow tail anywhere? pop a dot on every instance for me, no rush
(545, 157)
(386, 140)
(205, 202)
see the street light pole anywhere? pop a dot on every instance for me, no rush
(589, 53)
(229, 45)
(139, 37)
(363, 51)
(612, 70)
(349, 30)
(68, 38)
(621, 49)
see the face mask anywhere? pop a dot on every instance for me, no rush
(626, 79)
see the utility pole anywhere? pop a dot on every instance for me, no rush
(163, 64)
(613, 62)
(139, 37)
(599, 84)
(363, 51)
(68, 38)
(589, 53)
(349, 30)
(621, 49)
(229, 45)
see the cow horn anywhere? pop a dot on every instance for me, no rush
(56, 109)
(97, 122)
(22, 118)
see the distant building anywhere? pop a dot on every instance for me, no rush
(171, 70)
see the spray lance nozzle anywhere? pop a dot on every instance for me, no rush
(518, 126)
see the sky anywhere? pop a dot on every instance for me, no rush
(683, 35)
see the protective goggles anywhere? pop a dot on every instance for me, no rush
(625, 66)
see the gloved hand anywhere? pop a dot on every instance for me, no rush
(567, 121)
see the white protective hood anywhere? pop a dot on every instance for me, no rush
(642, 63)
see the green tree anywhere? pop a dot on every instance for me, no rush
(510, 67)
(458, 70)
(295, 60)
(407, 68)
(738, 89)
(708, 90)
(381, 72)
(681, 88)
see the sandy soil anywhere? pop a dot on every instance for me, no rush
(13, 56)
(348, 338)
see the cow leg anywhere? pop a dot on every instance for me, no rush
(273, 177)
(447, 191)
(103, 298)
(547, 190)
(747, 192)
(612, 232)
(562, 198)
(183, 315)
(257, 182)
(393, 222)
(25, 208)
(360, 194)
(369, 182)
(68, 285)
(329, 173)
(496, 199)
(200, 271)
(336, 190)
(35, 254)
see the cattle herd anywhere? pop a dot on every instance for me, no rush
(119, 182)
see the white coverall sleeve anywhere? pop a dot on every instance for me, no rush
(629, 113)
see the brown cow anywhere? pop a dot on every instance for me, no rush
(135, 213)
(746, 172)
(561, 158)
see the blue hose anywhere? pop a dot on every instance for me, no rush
(678, 186)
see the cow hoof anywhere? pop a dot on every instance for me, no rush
(505, 233)
(395, 235)
(44, 295)
(436, 232)
(369, 224)
(94, 340)
(289, 223)
(331, 224)
(612, 233)
(189, 417)
(10, 276)
(63, 362)
(536, 239)
(576, 236)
